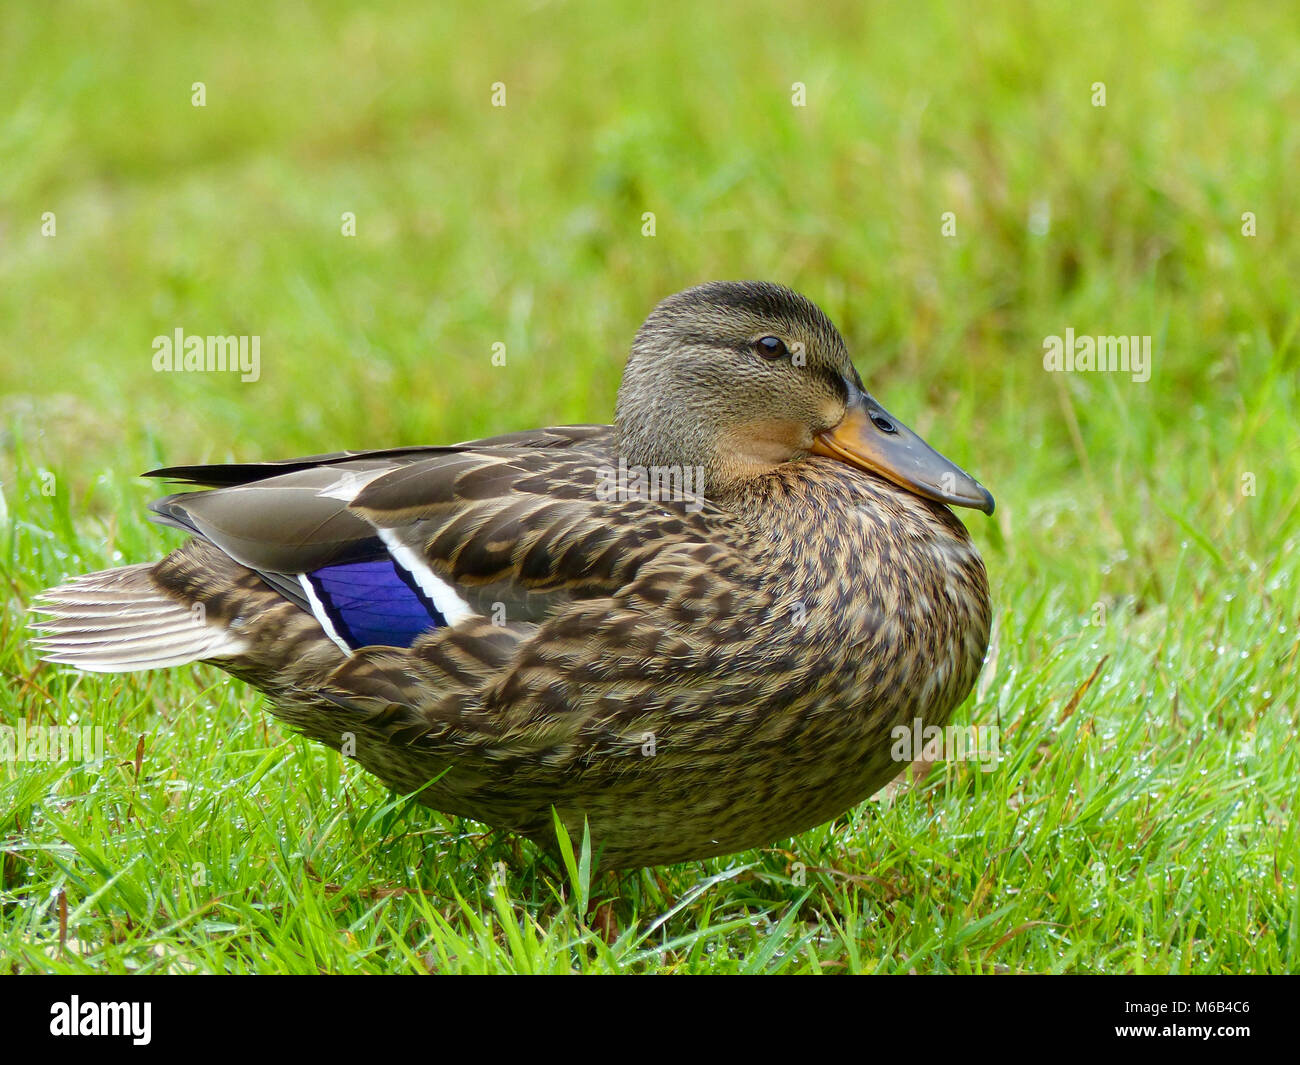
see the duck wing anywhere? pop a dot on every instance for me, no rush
(376, 549)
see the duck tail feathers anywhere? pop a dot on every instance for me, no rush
(120, 620)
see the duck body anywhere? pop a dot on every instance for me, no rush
(487, 626)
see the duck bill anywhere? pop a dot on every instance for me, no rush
(872, 439)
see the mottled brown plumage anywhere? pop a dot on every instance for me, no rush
(693, 675)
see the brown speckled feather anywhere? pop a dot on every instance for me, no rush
(694, 676)
(747, 662)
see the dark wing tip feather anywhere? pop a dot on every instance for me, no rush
(226, 475)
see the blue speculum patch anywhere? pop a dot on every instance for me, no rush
(374, 602)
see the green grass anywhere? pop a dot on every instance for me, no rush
(1144, 824)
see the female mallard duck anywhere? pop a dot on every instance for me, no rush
(695, 628)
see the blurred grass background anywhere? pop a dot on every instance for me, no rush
(1150, 827)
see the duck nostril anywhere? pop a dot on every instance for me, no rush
(883, 424)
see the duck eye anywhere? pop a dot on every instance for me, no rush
(771, 347)
(883, 424)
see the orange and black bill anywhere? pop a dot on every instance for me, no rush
(872, 439)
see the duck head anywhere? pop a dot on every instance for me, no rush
(738, 377)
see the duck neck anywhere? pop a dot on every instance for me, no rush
(724, 466)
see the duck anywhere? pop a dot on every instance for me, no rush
(689, 633)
